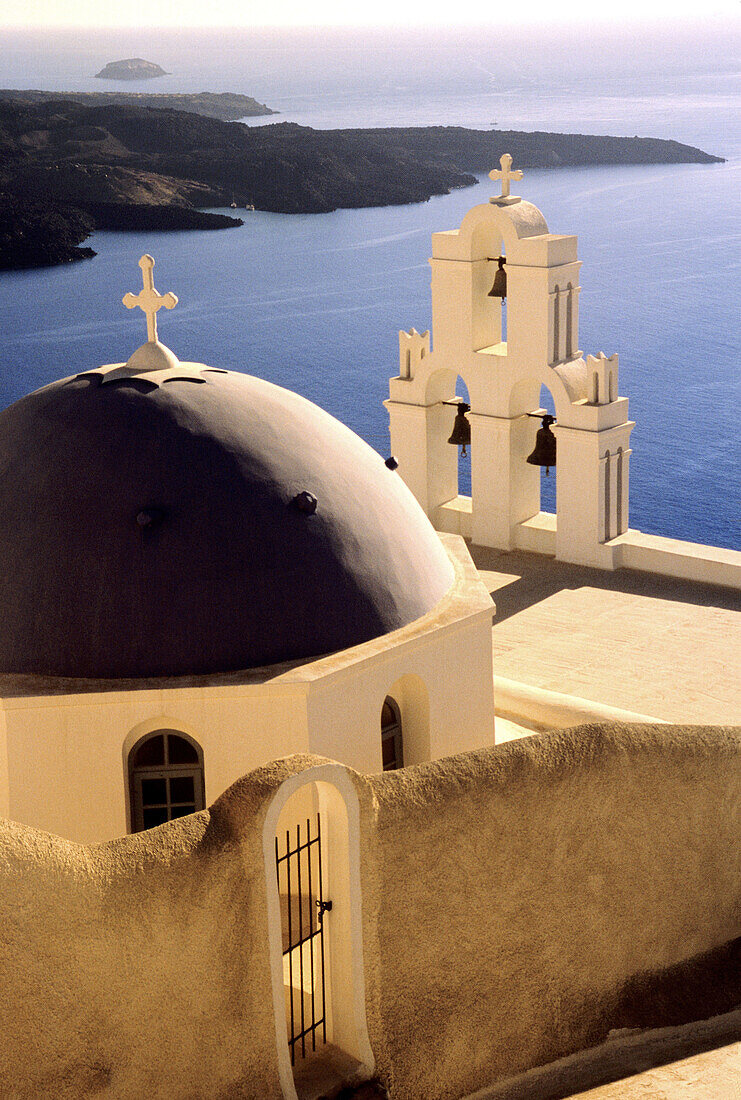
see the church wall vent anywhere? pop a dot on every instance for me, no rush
(305, 502)
(150, 517)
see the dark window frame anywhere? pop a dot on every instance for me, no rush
(165, 772)
(392, 732)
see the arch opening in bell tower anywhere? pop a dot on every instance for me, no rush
(548, 481)
(460, 405)
(533, 491)
(449, 470)
(488, 310)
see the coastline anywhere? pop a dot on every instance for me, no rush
(128, 167)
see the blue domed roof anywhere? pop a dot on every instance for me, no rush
(212, 523)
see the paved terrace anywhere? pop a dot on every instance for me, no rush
(662, 647)
(666, 648)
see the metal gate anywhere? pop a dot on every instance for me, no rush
(303, 909)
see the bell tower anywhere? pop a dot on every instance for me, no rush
(505, 318)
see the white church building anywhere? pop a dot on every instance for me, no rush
(203, 572)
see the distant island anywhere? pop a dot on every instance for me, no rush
(131, 68)
(227, 106)
(67, 168)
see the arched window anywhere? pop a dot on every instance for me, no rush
(165, 779)
(392, 748)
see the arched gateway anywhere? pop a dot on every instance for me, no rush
(311, 848)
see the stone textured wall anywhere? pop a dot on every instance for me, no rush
(515, 899)
(138, 968)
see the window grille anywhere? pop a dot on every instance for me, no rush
(303, 914)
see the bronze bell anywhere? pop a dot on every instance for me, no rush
(499, 290)
(461, 428)
(544, 453)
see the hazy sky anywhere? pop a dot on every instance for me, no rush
(125, 13)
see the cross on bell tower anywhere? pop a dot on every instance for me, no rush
(506, 175)
(149, 300)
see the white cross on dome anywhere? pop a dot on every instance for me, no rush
(148, 299)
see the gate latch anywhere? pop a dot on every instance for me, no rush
(323, 907)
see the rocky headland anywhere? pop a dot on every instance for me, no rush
(131, 68)
(125, 166)
(34, 234)
(227, 106)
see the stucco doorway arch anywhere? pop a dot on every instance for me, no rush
(315, 931)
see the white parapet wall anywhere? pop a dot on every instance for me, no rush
(690, 561)
(537, 534)
(536, 709)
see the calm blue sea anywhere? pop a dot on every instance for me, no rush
(315, 302)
